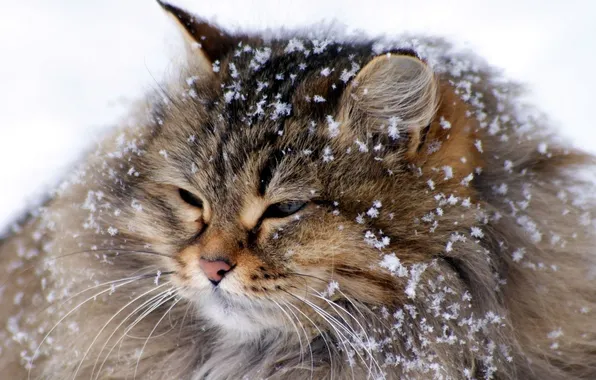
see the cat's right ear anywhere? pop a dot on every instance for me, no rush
(203, 39)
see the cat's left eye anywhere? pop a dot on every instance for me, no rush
(190, 198)
(284, 209)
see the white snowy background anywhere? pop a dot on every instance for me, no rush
(68, 68)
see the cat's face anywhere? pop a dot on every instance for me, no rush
(274, 186)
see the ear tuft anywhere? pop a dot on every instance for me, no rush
(393, 94)
(213, 43)
(399, 86)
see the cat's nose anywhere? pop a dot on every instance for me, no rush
(215, 270)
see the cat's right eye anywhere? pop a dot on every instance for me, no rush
(190, 198)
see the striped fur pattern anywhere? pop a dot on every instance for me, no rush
(388, 209)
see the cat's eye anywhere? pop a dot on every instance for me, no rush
(190, 198)
(284, 209)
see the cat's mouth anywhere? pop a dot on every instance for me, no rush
(227, 301)
(239, 313)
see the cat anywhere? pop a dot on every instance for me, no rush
(311, 208)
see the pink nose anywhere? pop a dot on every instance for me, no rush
(215, 270)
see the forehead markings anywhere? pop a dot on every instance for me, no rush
(268, 170)
(252, 210)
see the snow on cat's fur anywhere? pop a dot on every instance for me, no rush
(382, 210)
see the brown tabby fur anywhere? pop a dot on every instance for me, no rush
(515, 299)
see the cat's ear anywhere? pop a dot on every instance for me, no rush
(207, 40)
(393, 95)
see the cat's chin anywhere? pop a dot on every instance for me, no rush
(239, 315)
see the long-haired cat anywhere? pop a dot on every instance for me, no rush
(302, 208)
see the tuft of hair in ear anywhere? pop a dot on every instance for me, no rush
(211, 42)
(393, 95)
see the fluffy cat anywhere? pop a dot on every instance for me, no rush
(298, 208)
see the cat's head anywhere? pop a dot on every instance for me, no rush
(278, 175)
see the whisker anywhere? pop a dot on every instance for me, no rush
(341, 292)
(332, 320)
(357, 308)
(299, 338)
(47, 260)
(149, 306)
(131, 336)
(336, 306)
(36, 352)
(117, 251)
(307, 275)
(335, 324)
(110, 320)
(320, 334)
(153, 330)
(182, 322)
(139, 277)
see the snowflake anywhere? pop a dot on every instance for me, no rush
(327, 154)
(332, 126)
(392, 130)
(361, 146)
(332, 287)
(448, 170)
(467, 179)
(477, 232)
(280, 109)
(373, 212)
(392, 263)
(233, 71)
(415, 275)
(136, 205)
(445, 124)
(320, 46)
(431, 184)
(326, 71)
(555, 334)
(347, 75)
(294, 45)
(261, 56)
(478, 145)
(542, 148)
(518, 254)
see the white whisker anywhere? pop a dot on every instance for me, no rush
(153, 330)
(98, 286)
(36, 352)
(183, 319)
(335, 307)
(334, 323)
(299, 338)
(321, 335)
(108, 322)
(147, 303)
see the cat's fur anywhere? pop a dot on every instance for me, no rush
(445, 235)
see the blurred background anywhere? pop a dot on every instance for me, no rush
(70, 68)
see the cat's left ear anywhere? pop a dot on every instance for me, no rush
(394, 97)
(208, 41)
